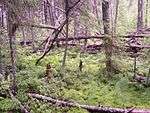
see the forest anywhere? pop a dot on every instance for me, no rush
(74, 56)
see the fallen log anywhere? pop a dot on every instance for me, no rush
(23, 109)
(42, 26)
(138, 46)
(91, 109)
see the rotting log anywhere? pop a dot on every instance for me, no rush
(91, 109)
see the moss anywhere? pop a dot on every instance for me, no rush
(87, 87)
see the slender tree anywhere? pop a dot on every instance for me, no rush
(45, 12)
(146, 15)
(76, 23)
(1, 15)
(140, 14)
(52, 12)
(116, 6)
(24, 36)
(108, 39)
(67, 31)
(99, 15)
(1, 25)
(1, 63)
(12, 41)
(31, 17)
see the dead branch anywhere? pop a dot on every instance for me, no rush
(23, 109)
(56, 32)
(70, 8)
(92, 109)
(37, 26)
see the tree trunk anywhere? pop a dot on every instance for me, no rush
(76, 24)
(32, 30)
(140, 14)
(1, 63)
(52, 12)
(146, 15)
(45, 12)
(94, 6)
(99, 16)
(67, 30)
(107, 40)
(24, 36)
(1, 25)
(12, 41)
(1, 16)
(116, 15)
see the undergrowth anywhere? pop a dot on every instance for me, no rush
(91, 86)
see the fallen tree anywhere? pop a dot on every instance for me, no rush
(23, 109)
(91, 109)
(42, 26)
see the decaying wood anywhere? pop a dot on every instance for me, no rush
(91, 109)
(23, 109)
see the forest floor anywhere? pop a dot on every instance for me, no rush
(91, 86)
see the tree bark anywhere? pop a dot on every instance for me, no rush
(45, 12)
(12, 41)
(116, 15)
(67, 31)
(31, 17)
(99, 16)
(52, 12)
(146, 15)
(1, 25)
(140, 14)
(1, 63)
(1, 16)
(107, 40)
(24, 36)
(94, 7)
(76, 24)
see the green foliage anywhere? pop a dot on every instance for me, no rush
(87, 87)
(7, 104)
